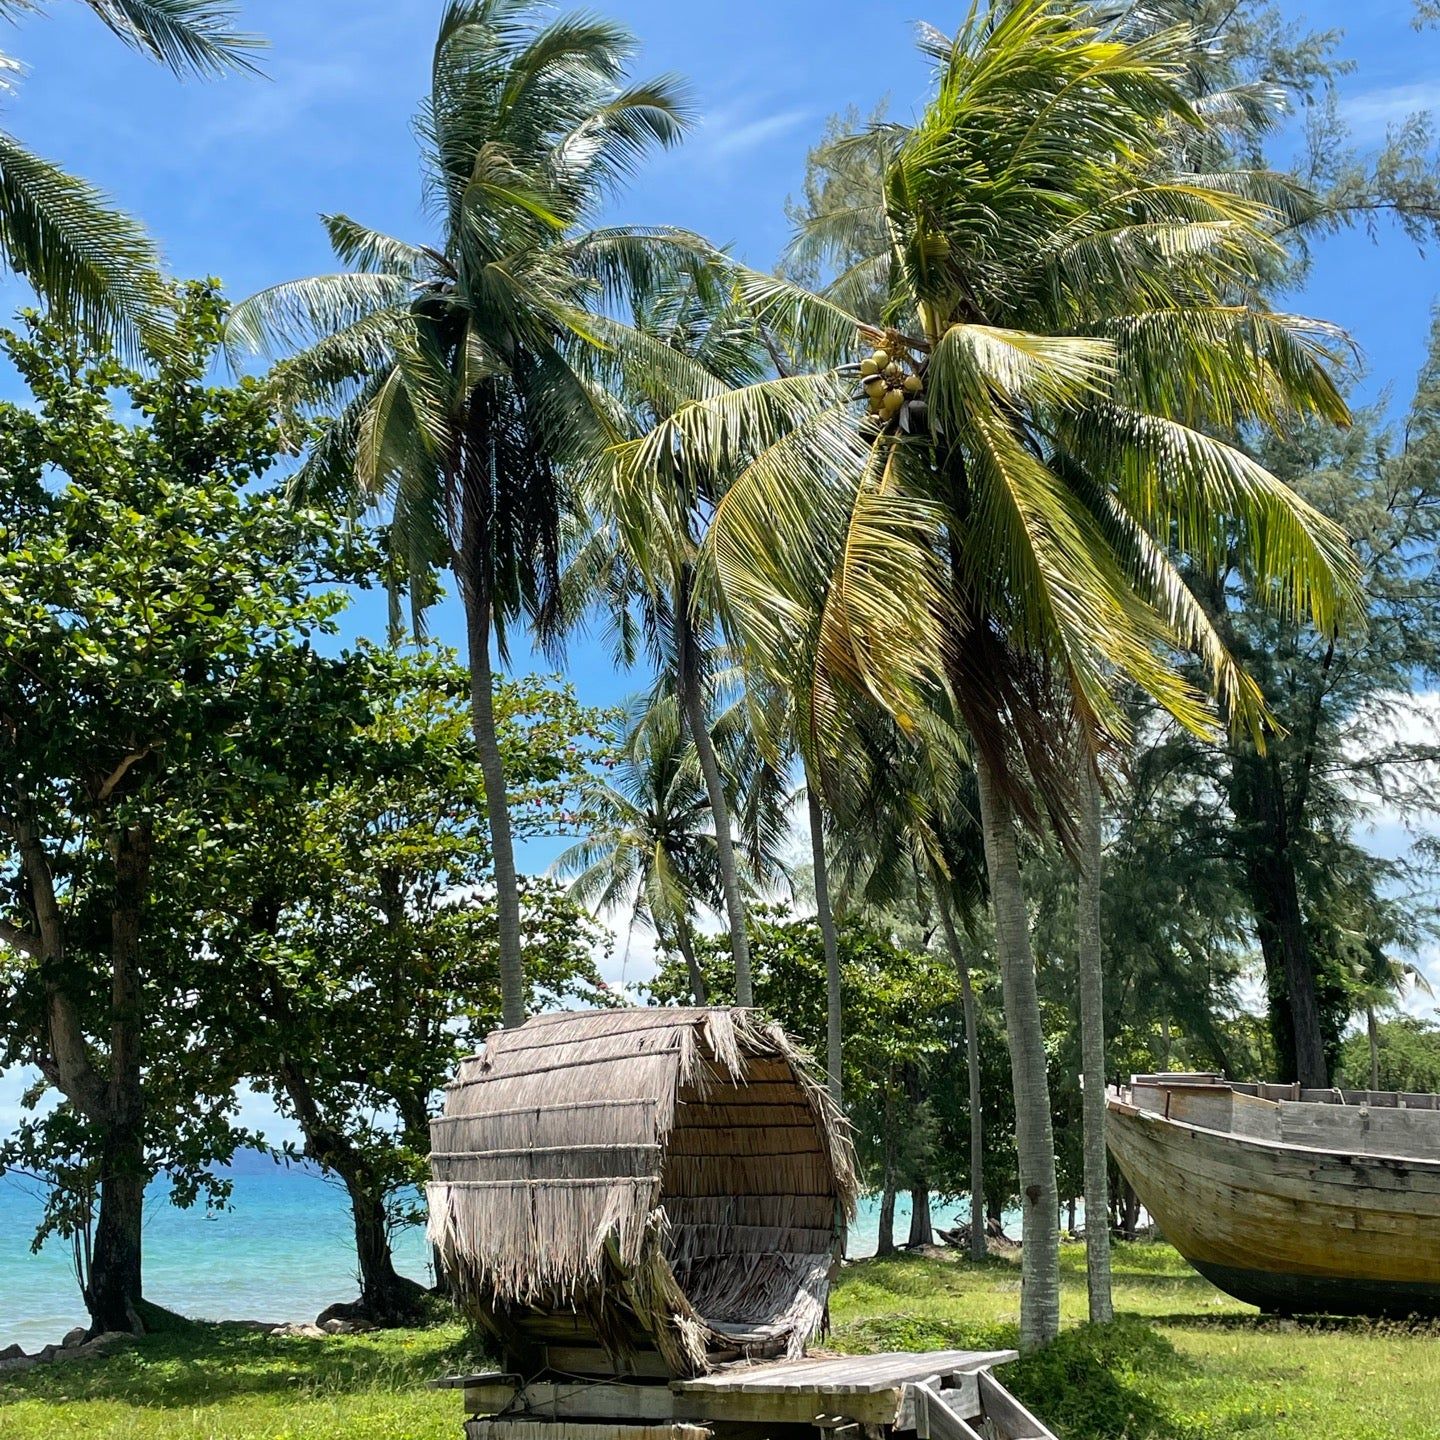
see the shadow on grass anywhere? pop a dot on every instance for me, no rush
(1255, 1324)
(201, 1364)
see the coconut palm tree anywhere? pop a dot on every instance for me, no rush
(639, 555)
(905, 830)
(1069, 321)
(451, 368)
(93, 266)
(1091, 967)
(1377, 985)
(652, 853)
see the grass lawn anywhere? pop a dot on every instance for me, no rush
(1183, 1363)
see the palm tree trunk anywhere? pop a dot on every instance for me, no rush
(1372, 1031)
(686, 943)
(834, 1037)
(1034, 1137)
(497, 810)
(978, 1248)
(692, 701)
(1092, 1051)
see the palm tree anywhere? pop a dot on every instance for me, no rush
(1378, 984)
(1092, 1046)
(652, 852)
(93, 266)
(907, 830)
(641, 550)
(451, 367)
(999, 533)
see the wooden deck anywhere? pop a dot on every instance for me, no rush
(934, 1395)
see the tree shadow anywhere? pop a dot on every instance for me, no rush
(210, 1364)
(1256, 1324)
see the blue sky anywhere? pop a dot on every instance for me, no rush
(231, 175)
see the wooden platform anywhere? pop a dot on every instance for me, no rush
(934, 1395)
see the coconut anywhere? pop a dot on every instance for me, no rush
(913, 384)
(881, 359)
(890, 405)
(868, 367)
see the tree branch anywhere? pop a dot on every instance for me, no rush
(21, 940)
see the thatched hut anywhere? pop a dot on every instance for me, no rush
(638, 1190)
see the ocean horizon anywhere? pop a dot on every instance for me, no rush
(283, 1250)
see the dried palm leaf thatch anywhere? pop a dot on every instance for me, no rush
(621, 1181)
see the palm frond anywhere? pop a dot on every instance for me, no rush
(196, 37)
(91, 264)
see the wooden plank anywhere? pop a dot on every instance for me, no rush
(641, 1403)
(1012, 1421)
(841, 1375)
(934, 1417)
(591, 1360)
(519, 1429)
(482, 1377)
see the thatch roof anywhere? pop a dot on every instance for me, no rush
(664, 1179)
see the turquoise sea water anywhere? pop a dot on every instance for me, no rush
(283, 1251)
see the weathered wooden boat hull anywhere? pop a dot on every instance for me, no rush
(1291, 1228)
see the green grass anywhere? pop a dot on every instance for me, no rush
(214, 1382)
(1183, 1363)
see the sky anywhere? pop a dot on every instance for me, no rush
(231, 175)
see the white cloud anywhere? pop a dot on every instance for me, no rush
(1372, 112)
(737, 129)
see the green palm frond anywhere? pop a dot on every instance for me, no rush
(294, 314)
(372, 250)
(195, 37)
(92, 265)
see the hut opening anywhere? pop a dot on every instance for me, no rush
(612, 1188)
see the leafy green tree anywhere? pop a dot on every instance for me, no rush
(360, 930)
(157, 609)
(1409, 1051)
(450, 367)
(94, 267)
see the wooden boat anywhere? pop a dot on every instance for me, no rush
(1298, 1201)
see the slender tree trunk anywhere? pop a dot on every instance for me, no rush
(114, 1288)
(922, 1232)
(385, 1295)
(115, 1284)
(478, 624)
(1092, 1049)
(1070, 1219)
(885, 1235)
(978, 1248)
(1034, 1136)
(834, 1037)
(692, 701)
(1372, 1031)
(686, 944)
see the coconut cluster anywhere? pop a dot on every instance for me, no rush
(894, 392)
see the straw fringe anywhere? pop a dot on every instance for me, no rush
(672, 1178)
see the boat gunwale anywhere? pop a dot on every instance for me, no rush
(1288, 1147)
